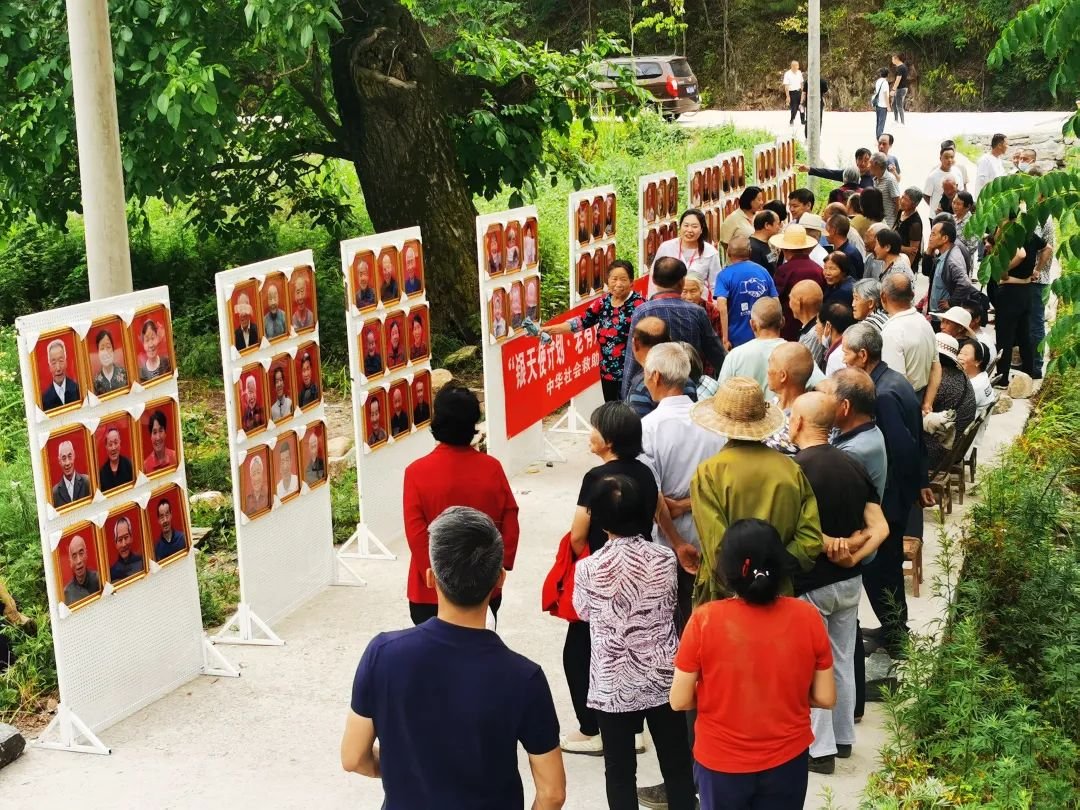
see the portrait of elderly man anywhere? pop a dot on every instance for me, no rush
(62, 389)
(128, 563)
(257, 498)
(246, 334)
(287, 481)
(117, 469)
(315, 469)
(73, 485)
(399, 415)
(309, 387)
(373, 362)
(389, 288)
(282, 405)
(303, 315)
(84, 582)
(252, 413)
(421, 408)
(414, 281)
(170, 540)
(365, 291)
(376, 431)
(274, 320)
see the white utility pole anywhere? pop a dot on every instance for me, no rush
(108, 257)
(813, 82)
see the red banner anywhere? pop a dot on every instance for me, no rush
(539, 378)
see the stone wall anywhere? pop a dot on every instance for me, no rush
(1049, 146)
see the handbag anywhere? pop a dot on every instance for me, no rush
(557, 593)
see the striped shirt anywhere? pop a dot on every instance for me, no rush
(627, 593)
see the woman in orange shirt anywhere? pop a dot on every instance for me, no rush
(753, 665)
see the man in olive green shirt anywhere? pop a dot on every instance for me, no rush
(747, 479)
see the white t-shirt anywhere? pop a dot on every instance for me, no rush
(907, 345)
(989, 167)
(984, 393)
(932, 186)
(881, 93)
(793, 80)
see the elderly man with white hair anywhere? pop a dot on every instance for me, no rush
(673, 446)
(84, 582)
(246, 333)
(73, 485)
(61, 390)
(258, 498)
(252, 413)
(885, 182)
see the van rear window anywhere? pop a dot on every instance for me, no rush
(681, 68)
(648, 70)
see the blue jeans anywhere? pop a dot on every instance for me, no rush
(899, 96)
(882, 114)
(1038, 325)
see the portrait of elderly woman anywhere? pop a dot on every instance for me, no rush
(275, 320)
(107, 352)
(302, 299)
(151, 332)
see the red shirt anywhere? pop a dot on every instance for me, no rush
(787, 276)
(755, 665)
(454, 476)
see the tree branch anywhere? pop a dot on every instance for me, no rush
(314, 100)
(382, 78)
(467, 92)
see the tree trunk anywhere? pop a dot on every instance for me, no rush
(393, 101)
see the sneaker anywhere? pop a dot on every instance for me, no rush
(589, 746)
(843, 751)
(639, 743)
(654, 797)
(822, 764)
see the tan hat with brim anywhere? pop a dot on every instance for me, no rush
(738, 410)
(793, 237)
(961, 317)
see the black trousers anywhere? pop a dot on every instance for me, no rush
(420, 612)
(668, 730)
(794, 98)
(577, 650)
(612, 390)
(883, 581)
(860, 671)
(1013, 327)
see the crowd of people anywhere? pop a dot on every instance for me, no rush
(775, 408)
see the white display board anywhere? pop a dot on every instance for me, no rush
(388, 442)
(774, 168)
(591, 217)
(714, 186)
(126, 623)
(656, 222)
(284, 537)
(502, 271)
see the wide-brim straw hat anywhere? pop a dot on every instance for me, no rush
(793, 237)
(738, 410)
(947, 346)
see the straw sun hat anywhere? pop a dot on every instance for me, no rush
(793, 237)
(738, 410)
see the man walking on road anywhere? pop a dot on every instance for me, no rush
(793, 81)
(899, 89)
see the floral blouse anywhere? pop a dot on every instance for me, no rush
(613, 331)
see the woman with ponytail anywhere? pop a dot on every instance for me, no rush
(753, 666)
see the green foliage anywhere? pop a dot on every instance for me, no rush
(989, 714)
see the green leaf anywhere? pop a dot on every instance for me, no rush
(163, 103)
(249, 11)
(207, 103)
(142, 9)
(173, 116)
(305, 37)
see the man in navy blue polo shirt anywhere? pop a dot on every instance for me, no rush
(447, 700)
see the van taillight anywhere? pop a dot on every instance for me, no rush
(672, 87)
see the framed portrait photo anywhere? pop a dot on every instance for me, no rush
(497, 309)
(599, 269)
(495, 250)
(400, 418)
(255, 475)
(673, 197)
(68, 461)
(308, 368)
(394, 343)
(286, 465)
(59, 381)
(123, 540)
(696, 186)
(109, 356)
(362, 281)
(597, 217)
(584, 274)
(652, 242)
(419, 331)
(375, 434)
(313, 455)
(245, 316)
(513, 246)
(609, 216)
(517, 305)
(389, 277)
(274, 301)
(583, 226)
(151, 335)
(115, 447)
(166, 519)
(303, 300)
(282, 388)
(412, 264)
(532, 298)
(371, 349)
(251, 399)
(529, 246)
(420, 399)
(159, 437)
(77, 563)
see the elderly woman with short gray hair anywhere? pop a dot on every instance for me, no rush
(866, 303)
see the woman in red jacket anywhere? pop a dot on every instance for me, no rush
(453, 474)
